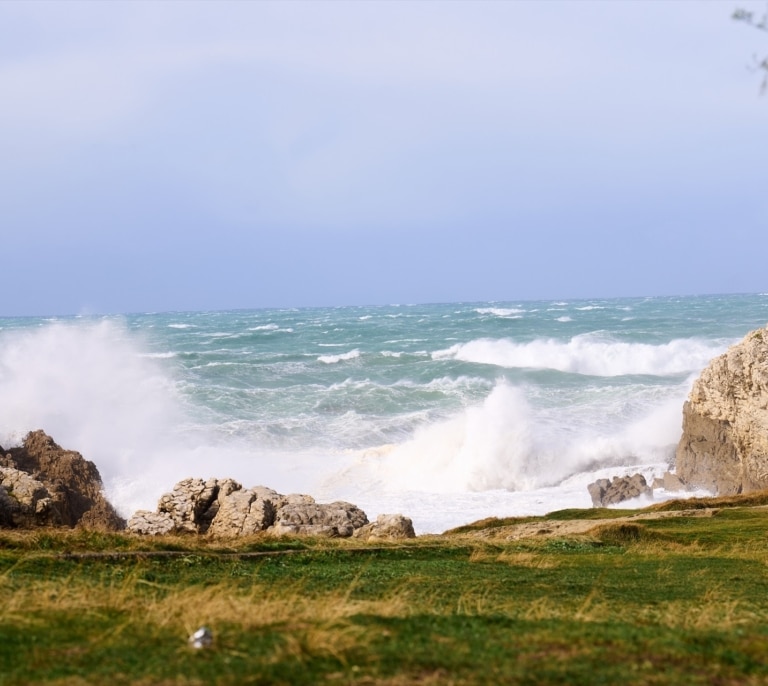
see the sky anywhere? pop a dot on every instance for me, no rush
(161, 156)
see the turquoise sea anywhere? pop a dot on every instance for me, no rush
(447, 412)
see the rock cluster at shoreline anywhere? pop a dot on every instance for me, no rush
(724, 444)
(42, 484)
(222, 507)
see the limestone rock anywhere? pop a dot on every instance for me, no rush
(188, 503)
(724, 445)
(387, 527)
(151, 523)
(245, 512)
(605, 492)
(73, 484)
(334, 519)
(25, 502)
(671, 482)
(295, 499)
(221, 507)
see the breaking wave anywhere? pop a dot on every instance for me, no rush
(588, 354)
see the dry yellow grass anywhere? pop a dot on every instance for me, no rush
(526, 559)
(310, 625)
(256, 606)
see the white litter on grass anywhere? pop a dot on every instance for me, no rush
(202, 638)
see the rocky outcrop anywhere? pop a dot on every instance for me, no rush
(605, 492)
(387, 528)
(24, 501)
(313, 519)
(44, 484)
(189, 507)
(724, 446)
(222, 507)
(243, 512)
(150, 523)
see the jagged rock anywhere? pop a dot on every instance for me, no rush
(188, 503)
(245, 512)
(151, 523)
(295, 499)
(605, 492)
(386, 527)
(25, 502)
(224, 508)
(313, 519)
(218, 506)
(724, 445)
(73, 484)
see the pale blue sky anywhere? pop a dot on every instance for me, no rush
(192, 155)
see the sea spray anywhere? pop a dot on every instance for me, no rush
(502, 443)
(86, 383)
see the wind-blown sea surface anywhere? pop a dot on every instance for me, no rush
(447, 413)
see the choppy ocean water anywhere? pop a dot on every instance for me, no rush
(447, 413)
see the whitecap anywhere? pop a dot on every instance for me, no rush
(501, 311)
(333, 359)
(589, 354)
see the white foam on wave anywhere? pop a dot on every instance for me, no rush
(334, 359)
(564, 319)
(181, 326)
(589, 354)
(504, 312)
(264, 327)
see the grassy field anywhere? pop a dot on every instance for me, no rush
(631, 600)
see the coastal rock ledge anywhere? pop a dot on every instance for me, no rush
(724, 446)
(222, 507)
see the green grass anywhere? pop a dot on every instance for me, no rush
(649, 601)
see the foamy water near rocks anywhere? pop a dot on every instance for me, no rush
(724, 446)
